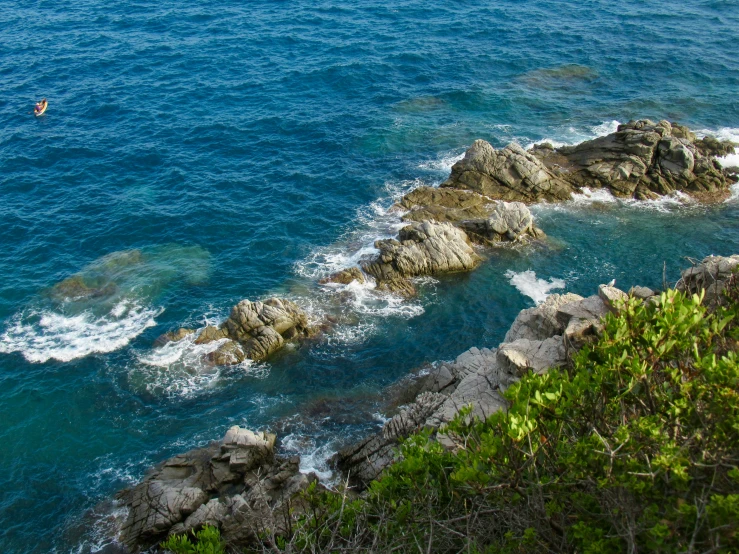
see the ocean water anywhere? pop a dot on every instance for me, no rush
(194, 155)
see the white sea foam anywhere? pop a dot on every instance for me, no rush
(588, 197)
(572, 135)
(734, 193)
(374, 221)
(378, 220)
(42, 335)
(181, 368)
(443, 163)
(313, 458)
(529, 285)
(104, 532)
(366, 300)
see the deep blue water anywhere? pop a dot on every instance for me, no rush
(239, 150)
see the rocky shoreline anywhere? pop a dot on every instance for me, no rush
(241, 485)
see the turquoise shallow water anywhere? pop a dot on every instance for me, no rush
(237, 151)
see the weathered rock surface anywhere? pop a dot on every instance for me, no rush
(642, 159)
(445, 204)
(612, 297)
(238, 485)
(422, 248)
(541, 322)
(477, 378)
(522, 355)
(255, 330)
(710, 274)
(486, 221)
(641, 292)
(508, 221)
(510, 174)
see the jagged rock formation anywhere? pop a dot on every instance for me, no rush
(438, 239)
(711, 275)
(238, 485)
(642, 159)
(422, 248)
(539, 339)
(254, 330)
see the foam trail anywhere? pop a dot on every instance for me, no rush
(442, 164)
(376, 221)
(587, 197)
(44, 335)
(313, 459)
(181, 369)
(572, 136)
(529, 285)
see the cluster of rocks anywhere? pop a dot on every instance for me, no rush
(242, 487)
(238, 485)
(540, 338)
(254, 331)
(443, 226)
(711, 275)
(484, 199)
(642, 159)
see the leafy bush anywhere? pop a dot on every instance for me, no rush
(635, 447)
(207, 541)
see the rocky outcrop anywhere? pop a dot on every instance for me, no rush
(444, 223)
(255, 330)
(238, 485)
(507, 222)
(642, 159)
(540, 338)
(422, 248)
(711, 274)
(510, 174)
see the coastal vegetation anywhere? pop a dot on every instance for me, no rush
(633, 447)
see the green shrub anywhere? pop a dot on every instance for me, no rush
(207, 541)
(635, 447)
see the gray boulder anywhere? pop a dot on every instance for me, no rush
(522, 355)
(541, 322)
(510, 174)
(612, 297)
(711, 275)
(238, 485)
(256, 330)
(508, 221)
(422, 248)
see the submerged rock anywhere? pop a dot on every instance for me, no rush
(345, 276)
(642, 159)
(173, 336)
